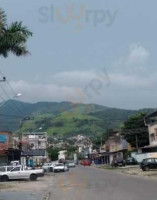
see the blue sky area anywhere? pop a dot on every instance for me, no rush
(101, 52)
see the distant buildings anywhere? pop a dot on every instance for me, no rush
(62, 155)
(115, 147)
(8, 149)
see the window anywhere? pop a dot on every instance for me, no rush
(150, 160)
(16, 169)
(9, 169)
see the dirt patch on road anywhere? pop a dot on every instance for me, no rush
(4, 186)
(139, 172)
(134, 171)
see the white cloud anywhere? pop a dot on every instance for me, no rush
(138, 55)
(33, 92)
(128, 87)
(135, 62)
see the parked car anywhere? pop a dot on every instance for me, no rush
(60, 167)
(66, 167)
(48, 167)
(131, 161)
(118, 162)
(85, 162)
(19, 172)
(148, 163)
(71, 164)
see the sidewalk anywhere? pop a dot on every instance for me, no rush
(131, 170)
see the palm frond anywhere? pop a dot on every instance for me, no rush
(13, 37)
(3, 19)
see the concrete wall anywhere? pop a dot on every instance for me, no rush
(140, 156)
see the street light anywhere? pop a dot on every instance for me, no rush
(40, 128)
(18, 95)
(15, 96)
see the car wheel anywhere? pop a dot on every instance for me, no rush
(51, 169)
(143, 169)
(33, 177)
(147, 168)
(4, 178)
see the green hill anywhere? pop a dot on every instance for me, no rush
(61, 119)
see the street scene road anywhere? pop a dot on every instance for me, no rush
(78, 108)
(86, 183)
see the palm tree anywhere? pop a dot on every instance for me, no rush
(12, 37)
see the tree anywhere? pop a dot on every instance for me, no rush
(12, 37)
(53, 153)
(135, 131)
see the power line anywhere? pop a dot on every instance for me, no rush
(4, 100)
(9, 98)
(14, 94)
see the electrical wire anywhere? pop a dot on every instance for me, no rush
(9, 98)
(14, 94)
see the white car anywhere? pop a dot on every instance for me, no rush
(66, 167)
(19, 172)
(71, 163)
(60, 167)
(46, 167)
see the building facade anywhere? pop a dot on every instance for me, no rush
(34, 147)
(151, 123)
(115, 147)
(8, 150)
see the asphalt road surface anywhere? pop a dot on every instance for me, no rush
(88, 183)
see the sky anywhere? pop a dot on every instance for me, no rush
(85, 51)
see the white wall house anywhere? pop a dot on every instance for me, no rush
(62, 155)
(151, 122)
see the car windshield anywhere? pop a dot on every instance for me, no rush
(47, 164)
(59, 165)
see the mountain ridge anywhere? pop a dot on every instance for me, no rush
(63, 119)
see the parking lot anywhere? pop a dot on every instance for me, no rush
(27, 190)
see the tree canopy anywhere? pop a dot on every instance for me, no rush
(135, 131)
(13, 37)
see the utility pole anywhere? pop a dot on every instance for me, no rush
(136, 142)
(3, 80)
(101, 141)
